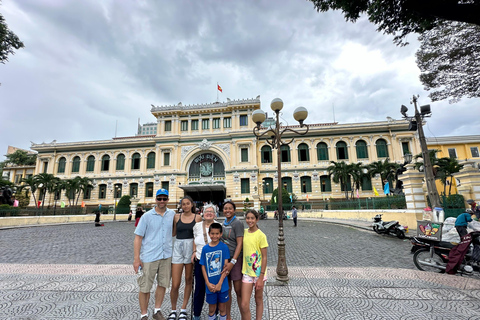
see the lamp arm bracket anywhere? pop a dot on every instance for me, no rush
(256, 132)
(295, 131)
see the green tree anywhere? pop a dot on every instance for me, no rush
(8, 41)
(446, 168)
(285, 197)
(402, 17)
(46, 183)
(72, 188)
(449, 61)
(83, 184)
(357, 172)
(340, 173)
(23, 198)
(432, 154)
(21, 158)
(29, 184)
(385, 169)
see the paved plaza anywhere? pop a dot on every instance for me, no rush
(77, 271)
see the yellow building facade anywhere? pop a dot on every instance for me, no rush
(209, 151)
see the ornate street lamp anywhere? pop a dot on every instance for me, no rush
(274, 139)
(416, 123)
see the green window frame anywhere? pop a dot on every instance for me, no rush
(306, 184)
(366, 183)
(135, 161)
(194, 124)
(287, 184)
(120, 166)
(166, 185)
(227, 122)
(61, 165)
(102, 191)
(325, 184)
(285, 153)
(149, 190)
(349, 185)
(168, 125)
(216, 123)
(184, 125)
(342, 150)
(267, 185)
(245, 185)
(88, 193)
(244, 154)
(166, 159)
(405, 147)
(243, 120)
(105, 166)
(151, 160)
(90, 164)
(382, 150)
(303, 152)
(76, 164)
(322, 151)
(362, 151)
(205, 124)
(134, 190)
(266, 154)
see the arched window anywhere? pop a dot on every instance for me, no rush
(134, 190)
(136, 161)
(149, 189)
(266, 156)
(151, 160)
(362, 152)
(285, 153)
(120, 162)
(342, 151)
(325, 184)
(90, 164)
(267, 185)
(322, 151)
(303, 152)
(306, 184)
(287, 183)
(102, 191)
(61, 165)
(382, 151)
(105, 163)
(76, 164)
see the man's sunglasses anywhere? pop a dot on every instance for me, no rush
(162, 199)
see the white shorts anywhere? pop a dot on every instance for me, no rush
(182, 251)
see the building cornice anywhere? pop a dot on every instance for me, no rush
(435, 141)
(180, 109)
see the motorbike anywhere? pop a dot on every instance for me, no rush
(275, 216)
(391, 227)
(438, 256)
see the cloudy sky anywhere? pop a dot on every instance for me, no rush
(88, 64)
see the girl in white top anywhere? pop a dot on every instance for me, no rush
(200, 239)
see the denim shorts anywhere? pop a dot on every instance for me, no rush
(182, 251)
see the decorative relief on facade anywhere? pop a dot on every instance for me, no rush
(173, 178)
(141, 182)
(185, 151)
(296, 176)
(253, 176)
(315, 176)
(205, 145)
(125, 183)
(110, 184)
(236, 177)
(225, 147)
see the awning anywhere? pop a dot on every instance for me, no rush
(202, 187)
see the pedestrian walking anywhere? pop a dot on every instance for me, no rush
(254, 266)
(294, 216)
(200, 239)
(152, 249)
(182, 256)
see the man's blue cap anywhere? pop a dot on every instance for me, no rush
(162, 191)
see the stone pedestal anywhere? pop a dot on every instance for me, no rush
(469, 177)
(413, 188)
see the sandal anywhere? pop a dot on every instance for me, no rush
(172, 316)
(183, 316)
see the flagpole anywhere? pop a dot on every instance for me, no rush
(217, 92)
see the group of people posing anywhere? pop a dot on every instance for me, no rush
(221, 257)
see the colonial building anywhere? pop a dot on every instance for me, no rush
(209, 152)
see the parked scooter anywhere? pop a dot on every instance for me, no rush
(391, 227)
(442, 256)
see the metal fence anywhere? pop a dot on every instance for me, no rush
(16, 212)
(393, 202)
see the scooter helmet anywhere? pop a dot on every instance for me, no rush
(469, 211)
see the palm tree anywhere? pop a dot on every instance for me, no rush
(385, 169)
(72, 186)
(340, 172)
(46, 183)
(446, 168)
(59, 187)
(357, 173)
(432, 154)
(29, 183)
(83, 185)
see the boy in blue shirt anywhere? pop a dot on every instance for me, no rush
(214, 257)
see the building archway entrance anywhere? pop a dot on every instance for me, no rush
(215, 193)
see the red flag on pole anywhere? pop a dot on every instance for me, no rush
(219, 88)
